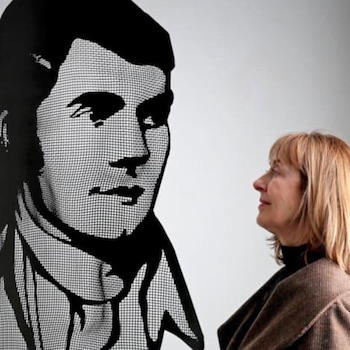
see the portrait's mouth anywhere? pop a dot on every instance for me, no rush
(132, 193)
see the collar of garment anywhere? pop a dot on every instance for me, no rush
(96, 281)
(295, 258)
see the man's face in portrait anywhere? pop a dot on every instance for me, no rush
(104, 136)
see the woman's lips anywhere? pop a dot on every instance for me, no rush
(133, 193)
(263, 203)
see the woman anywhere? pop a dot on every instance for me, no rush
(305, 204)
(84, 139)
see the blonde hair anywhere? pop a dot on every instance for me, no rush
(324, 164)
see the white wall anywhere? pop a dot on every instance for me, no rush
(246, 72)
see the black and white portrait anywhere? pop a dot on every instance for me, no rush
(84, 103)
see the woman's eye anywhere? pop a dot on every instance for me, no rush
(272, 172)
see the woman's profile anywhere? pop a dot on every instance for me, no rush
(305, 204)
(84, 101)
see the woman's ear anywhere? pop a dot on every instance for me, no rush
(4, 140)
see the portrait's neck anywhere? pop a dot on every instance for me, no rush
(126, 253)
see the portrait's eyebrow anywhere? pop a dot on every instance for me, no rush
(162, 101)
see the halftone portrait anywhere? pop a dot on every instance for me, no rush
(84, 103)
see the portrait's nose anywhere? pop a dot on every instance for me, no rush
(132, 150)
(260, 183)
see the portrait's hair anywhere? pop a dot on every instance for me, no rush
(35, 37)
(324, 214)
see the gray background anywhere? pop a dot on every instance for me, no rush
(247, 71)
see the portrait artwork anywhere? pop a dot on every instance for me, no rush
(84, 103)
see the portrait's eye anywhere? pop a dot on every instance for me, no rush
(154, 112)
(98, 106)
(149, 122)
(154, 120)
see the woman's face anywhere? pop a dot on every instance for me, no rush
(280, 198)
(104, 136)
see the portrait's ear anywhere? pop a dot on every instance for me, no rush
(4, 140)
(41, 60)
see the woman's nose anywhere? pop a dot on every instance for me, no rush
(260, 183)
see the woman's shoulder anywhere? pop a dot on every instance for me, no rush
(309, 292)
(320, 282)
(302, 299)
(297, 302)
(322, 306)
